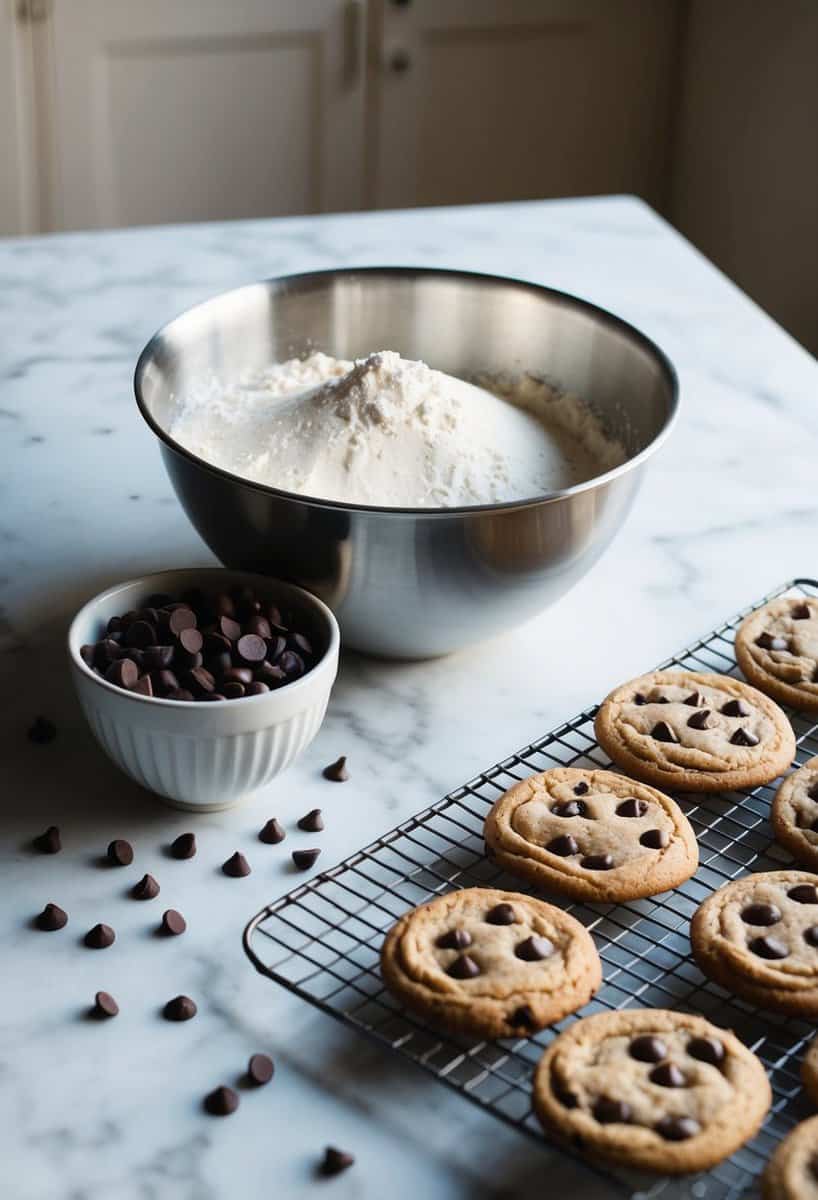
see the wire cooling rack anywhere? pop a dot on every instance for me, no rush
(322, 941)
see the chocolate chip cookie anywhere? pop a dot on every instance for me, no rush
(792, 1172)
(809, 1071)
(777, 649)
(490, 963)
(794, 814)
(650, 1088)
(592, 835)
(695, 732)
(758, 937)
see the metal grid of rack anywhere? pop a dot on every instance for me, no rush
(322, 941)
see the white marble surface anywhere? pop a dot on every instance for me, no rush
(729, 509)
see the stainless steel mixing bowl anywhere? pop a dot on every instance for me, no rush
(414, 582)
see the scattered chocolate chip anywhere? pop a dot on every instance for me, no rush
(597, 862)
(146, 889)
(743, 737)
(48, 842)
(272, 833)
(42, 731)
(337, 771)
(221, 1102)
(260, 1069)
(761, 914)
(581, 788)
(523, 1018)
(570, 808)
(180, 1008)
(501, 914)
(335, 1161)
(811, 935)
(563, 846)
(534, 948)
(455, 939)
(120, 853)
(52, 918)
(612, 1112)
(804, 893)
(173, 923)
(236, 866)
(694, 700)
(668, 1075)
(463, 967)
(304, 859)
(655, 839)
(705, 1049)
(700, 719)
(768, 641)
(632, 807)
(640, 699)
(801, 612)
(647, 1048)
(663, 733)
(313, 822)
(184, 846)
(100, 937)
(677, 1129)
(735, 708)
(769, 947)
(105, 1005)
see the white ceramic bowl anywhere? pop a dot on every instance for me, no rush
(203, 757)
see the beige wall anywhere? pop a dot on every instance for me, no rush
(745, 179)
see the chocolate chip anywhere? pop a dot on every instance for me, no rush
(184, 846)
(693, 700)
(597, 862)
(768, 641)
(813, 792)
(191, 641)
(301, 644)
(313, 822)
(743, 737)
(804, 893)
(335, 1161)
(143, 686)
(668, 1075)
(52, 918)
(273, 676)
(761, 914)
(256, 688)
(120, 853)
(735, 708)
(570, 808)
(158, 600)
(260, 1069)
(146, 889)
(811, 935)
(241, 675)
(501, 914)
(164, 682)
(455, 939)
(105, 1005)
(647, 1048)
(48, 842)
(140, 634)
(100, 937)
(304, 859)
(223, 605)
(655, 839)
(180, 1008)
(272, 833)
(700, 719)
(180, 619)
(523, 1018)
(236, 866)
(251, 648)
(612, 1112)
(705, 1049)
(534, 949)
(199, 681)
(173, 923)
(581, 788)
(87, 654)
(291, 664)
(180, 694)
(337, 771)
(632, 807)
(769, 947)
(663, 733)
(463, 967)
(124, 673)
(258, 626)
(565, 1097)
(221, 1102)
(677, 1129)
(563, 846)
(640, 699)
(234, 691)
(801, 612)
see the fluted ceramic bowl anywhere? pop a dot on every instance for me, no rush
(204, 757)
(424, 581)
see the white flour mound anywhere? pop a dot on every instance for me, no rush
(388, 431)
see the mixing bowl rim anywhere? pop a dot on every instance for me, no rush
(281, 282)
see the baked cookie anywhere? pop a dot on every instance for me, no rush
(651, 1088)
(794, 814)
(695, 732)
(777, 649)
(809, 1071)
(792, 1172)
(592, 835)
(758, 937)
(490, 963)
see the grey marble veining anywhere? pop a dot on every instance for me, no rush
(111, 1112)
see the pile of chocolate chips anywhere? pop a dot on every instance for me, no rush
(202, 647)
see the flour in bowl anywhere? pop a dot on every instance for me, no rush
(389, 431)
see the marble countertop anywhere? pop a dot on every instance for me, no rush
(111, 1111)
